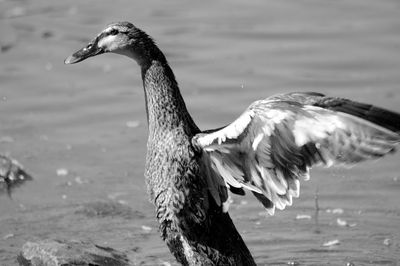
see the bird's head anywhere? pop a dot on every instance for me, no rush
(120, 38)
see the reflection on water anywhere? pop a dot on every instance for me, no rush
(225, 54)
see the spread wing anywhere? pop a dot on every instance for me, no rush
(272, 145)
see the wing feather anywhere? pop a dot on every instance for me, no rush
(275, 141)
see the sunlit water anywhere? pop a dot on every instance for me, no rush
(89, 119)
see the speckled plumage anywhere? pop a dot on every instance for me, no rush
(190, 224)
(267, 150)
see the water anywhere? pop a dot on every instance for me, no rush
(225, 55)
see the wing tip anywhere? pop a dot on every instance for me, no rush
(271, 211)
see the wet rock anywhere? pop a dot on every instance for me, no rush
(57, 253)
(12, 175)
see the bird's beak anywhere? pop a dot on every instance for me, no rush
(90, 50)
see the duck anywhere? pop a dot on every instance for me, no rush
(267, 150)
(12, 175)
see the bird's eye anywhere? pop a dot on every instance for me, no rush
(114, 32)
(88, 47)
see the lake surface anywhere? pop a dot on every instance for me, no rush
(81, 130)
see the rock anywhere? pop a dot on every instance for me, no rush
(12, 175)
(62, 252)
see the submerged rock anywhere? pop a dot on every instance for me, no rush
(62, 253)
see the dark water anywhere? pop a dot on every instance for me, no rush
(225, 54)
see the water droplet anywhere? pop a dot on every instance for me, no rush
(303, 217)
(337, 211)
(331, 243)
(11, 235)
(146, 228)
(132, 124)
(62, 172)
(341, 222)
(387, 241)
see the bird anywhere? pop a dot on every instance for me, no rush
(267, 150)
(12, 175)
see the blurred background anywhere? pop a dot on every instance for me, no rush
(81, 130)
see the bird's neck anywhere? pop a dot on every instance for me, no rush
(166, 109)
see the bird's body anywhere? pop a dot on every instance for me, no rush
(267, 150)
(175, 178)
